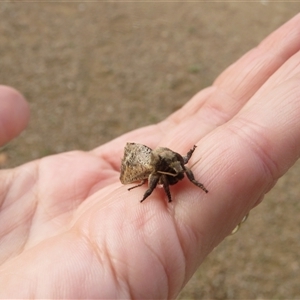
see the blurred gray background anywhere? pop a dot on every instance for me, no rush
(93, 70)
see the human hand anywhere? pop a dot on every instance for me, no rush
(69, 229)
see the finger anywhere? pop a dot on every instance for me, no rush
(14, 114)
(241, 161)
(239, 82)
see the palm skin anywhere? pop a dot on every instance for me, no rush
(70, 229)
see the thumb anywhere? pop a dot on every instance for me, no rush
(14, 114)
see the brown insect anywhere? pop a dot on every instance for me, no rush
(160, 166)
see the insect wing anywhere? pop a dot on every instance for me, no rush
(135, 163)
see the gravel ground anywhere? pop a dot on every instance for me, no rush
(92, 71)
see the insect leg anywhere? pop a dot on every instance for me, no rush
(165, 183)
(189, 155)
(153, 181)
(140, 184)
(191, 177)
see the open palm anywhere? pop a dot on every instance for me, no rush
(70, 229)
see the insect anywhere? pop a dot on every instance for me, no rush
(160, 166)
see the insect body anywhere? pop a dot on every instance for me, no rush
(160, 166)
